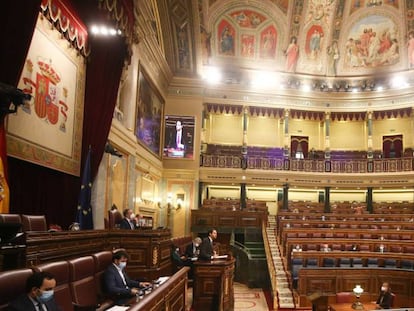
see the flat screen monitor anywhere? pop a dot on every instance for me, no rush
(8, 231)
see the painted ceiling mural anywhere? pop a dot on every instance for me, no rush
(319, 37)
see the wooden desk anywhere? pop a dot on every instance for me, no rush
(213, 285)
(368, 306)
(171, 295)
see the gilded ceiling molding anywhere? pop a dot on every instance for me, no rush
(67, 23)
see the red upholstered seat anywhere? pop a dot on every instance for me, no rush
(34, 223)
(60, 269)
(82, 281)
(102, 261)
(114, 218)
(345, 297)
(10, 218)
(12, 285)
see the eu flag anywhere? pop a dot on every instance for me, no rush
(84, 212)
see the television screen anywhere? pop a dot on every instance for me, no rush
(179, 137)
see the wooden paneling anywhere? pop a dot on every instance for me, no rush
(213, 285)
(331, 281)
(172, 295)
(149, 250)
(203, 219)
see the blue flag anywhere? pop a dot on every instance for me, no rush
(84, 212)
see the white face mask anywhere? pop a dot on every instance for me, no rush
(383, 288)
(197, 245)
(122, 265)
(132, 217)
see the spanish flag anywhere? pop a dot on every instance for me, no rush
(4, 191)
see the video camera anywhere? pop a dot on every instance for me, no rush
(11, 98)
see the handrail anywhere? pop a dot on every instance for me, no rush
(270, 264)
(242, 247)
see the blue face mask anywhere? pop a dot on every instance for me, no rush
(122, 265)
(46, 296)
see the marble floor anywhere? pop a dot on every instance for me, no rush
(244, 298)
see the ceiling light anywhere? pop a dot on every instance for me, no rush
(212, 75)
(103, 30)
(398, 82)
(264, 79)
(306, 88)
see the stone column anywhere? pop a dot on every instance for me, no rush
(370, 153)
(370, 206)
(327, 131)
(243, 196)
(285, 205)
(286, 134)
(327, 206)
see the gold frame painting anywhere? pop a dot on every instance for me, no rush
(149, 113)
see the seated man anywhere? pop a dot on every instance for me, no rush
(193, 250)
(39, 294)
(128, 222)
(384, 300)
(117, 283)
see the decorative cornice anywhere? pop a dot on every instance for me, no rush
(67, 23)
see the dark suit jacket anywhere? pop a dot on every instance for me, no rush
(124, 224)
(206, 249)
(23, 303)
(114, 285)
(189, 250)
(384, 300)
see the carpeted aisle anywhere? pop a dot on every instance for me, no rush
(249, 298)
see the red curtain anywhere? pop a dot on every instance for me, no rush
(299, 144)
(103, 75)
(392, 146)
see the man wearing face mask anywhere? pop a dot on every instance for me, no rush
(192, 250)
(118, 285)
(39, 294)
(128, 222)
(384, 300)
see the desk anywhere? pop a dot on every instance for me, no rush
(348, 306)
(213, 285)
(171, 295)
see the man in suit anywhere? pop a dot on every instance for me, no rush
(38, 296)
(192, 250)
(117, 283)
(385, 298)
(206, 247)
(128, 222)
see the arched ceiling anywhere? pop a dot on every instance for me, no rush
(328, 45)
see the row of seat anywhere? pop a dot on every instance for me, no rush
(355, 262)
(314, 263)
(79, 282)
(350, 235)
(354, 247)
(28, 222)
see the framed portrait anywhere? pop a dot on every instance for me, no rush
(149, 114)
(48, 130)
(179, 137)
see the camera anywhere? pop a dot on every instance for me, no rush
(11, 98)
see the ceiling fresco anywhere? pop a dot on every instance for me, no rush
(315, 37)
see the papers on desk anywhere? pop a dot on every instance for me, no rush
(118, 308)
(161, 279)
(220, 257)
(194, 258)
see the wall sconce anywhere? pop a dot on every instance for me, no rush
(358, 290)
(169, 203)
